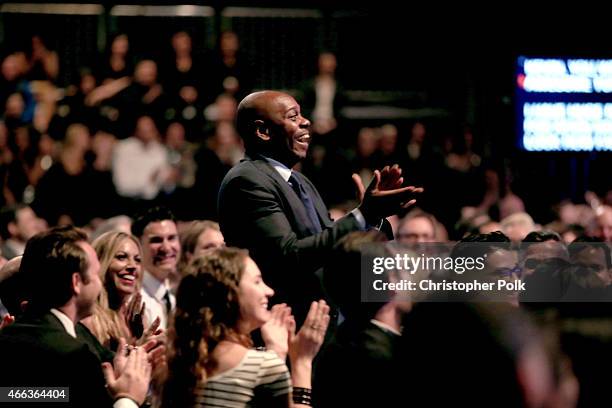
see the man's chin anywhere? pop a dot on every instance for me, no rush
(162, 272)
(300, 155)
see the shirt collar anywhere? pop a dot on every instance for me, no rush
(154, 286)
(385, 327)
(65, 321)
(284, 171)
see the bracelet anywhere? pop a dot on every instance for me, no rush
(302, 396)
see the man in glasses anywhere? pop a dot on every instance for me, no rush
(539, 247)
(500, 264)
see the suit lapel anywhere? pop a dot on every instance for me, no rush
(302, 221)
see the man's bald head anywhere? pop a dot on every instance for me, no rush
(255, 106)
(270, 123)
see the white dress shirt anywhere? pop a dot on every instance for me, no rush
(153, 291)
(139, 170)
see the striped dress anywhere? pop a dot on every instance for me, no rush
(260, 376)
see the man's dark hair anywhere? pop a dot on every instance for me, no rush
(535, 237)
(584, 242)
(484, 243)
(153, 214)
(8, 214)
(49, 260)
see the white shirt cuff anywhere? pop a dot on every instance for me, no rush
(362, 222)
(360, 218)
(125, 403)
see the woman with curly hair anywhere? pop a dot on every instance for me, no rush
(118, 313)
(220, 301)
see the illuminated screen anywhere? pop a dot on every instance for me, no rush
(564, 104)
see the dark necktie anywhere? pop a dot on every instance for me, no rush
(307, 201)
(167, 302)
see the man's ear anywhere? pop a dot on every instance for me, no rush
(261, 130)
(12, 228)
(76, 283)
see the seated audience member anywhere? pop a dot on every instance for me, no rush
(539, 246)
(571, 232)
(500, 263)
(118, 223)
(604, 222)
(416, 227)
(593, 254)
(360, 355)
(140, 163)
(550, 277)
(199, 238)
(15, 290)
(161, 251)
(65, 269)
(118, 311)
(18, 223)
(220, 301)
(517, 226)
(489, 226)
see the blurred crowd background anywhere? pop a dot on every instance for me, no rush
(107, 107)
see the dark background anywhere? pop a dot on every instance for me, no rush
(445, 65)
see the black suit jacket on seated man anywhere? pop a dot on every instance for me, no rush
(259, 210)
(37, 351)
(46, 346)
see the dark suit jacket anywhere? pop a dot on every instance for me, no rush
(37, 351)
(258, 210)
(357, 368)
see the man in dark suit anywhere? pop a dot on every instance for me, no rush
(58, 352)
(278, 214)
(361, 354)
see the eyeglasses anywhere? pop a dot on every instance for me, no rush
(533, 263)
(594, 267)
(508, 272)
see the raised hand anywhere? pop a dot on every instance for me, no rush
(306, 343)
(153, 332)
(132, 380)
(391, 178)
(133, 312)
(385, 197)
(275, 332)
